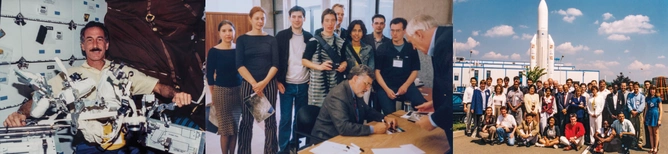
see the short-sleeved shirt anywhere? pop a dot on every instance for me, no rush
(625, 126)
(508, 121)
(141, 83)
(386, 55)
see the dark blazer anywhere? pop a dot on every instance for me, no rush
(283, 38)
(610, 108)
(574, 106)
(337, 115)
(370, 40)
(442, 88)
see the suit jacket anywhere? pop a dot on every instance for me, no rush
(442, 88)
(338, 115)
(612, 107)
(526, 129)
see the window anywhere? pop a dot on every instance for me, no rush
(475, 74)
(489, 73)
(520, 75)
(456, 77)
(385, 7)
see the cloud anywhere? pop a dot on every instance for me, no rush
(618, 37)
(607, 16)
(515, 37)
(626, 51)
(466, 46)
(475, 33)
(494, 55)
(569, 14)
(629, 25)
(474, 52)
(596, 23)
(659, 66)
(526, 36)
(502, 30)
(568, 48)
(459, 1)
(661, 57)
(459, 31)
(524, 26)
(515, 56)
(637, 65)
(598, 52)
(603, 66)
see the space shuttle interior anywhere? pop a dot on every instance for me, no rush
(39, 40)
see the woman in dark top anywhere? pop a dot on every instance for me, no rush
(325, 71)
(551, 134)
(225, 87)
(356, 49)
(257, 62)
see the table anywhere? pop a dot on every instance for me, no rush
(433, 141)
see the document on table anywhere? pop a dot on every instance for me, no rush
(328, 147)
(404, 149)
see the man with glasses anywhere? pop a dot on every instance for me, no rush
(344, 111)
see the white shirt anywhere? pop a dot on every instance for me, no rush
(499, 100)
(508, 121)
(297, 73)
(468, 94)
(614, 101)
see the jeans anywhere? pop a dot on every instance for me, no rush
(297, 93)
(503, 134)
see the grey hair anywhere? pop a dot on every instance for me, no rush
(420, 22)
(360, 70)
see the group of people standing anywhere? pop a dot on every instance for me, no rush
(302, 68)
(547, 114)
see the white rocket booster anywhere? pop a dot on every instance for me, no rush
(542, 45)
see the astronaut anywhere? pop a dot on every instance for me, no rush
(94, 44)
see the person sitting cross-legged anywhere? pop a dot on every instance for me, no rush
(527, 133)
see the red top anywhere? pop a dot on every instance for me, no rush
(576, 130)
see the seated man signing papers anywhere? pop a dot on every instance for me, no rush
(344, 110)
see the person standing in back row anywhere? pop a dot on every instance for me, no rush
(225, 86)
(325, 59)
(397, 66)
(292, 76)
(257, 62)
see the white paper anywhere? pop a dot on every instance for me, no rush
(388, 150)
(328, 147)
(412, 149)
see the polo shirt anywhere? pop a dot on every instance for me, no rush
(385, 56)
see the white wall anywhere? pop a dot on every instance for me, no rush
(234, 6)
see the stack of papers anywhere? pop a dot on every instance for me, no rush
(328, 147)
(404, 149)
(415, 116)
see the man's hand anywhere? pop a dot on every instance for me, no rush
(614, 117)
(15, 120)
(380, 128)
(181, 99)
(281, 88)
(391, 121)
(390, 94)
(425, 124)
(426, 107)
(342, 67)
(563, 111)
(634, 113)
(402, 90)
(581, 106)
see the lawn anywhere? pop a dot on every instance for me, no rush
(458, 126)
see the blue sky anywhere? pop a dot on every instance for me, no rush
(608, 35)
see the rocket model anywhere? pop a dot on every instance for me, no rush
(542, 45)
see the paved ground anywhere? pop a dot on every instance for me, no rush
(463, 144)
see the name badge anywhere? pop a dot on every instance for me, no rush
(397, 62)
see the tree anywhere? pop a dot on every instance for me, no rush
(621, 79)
(534, 73)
